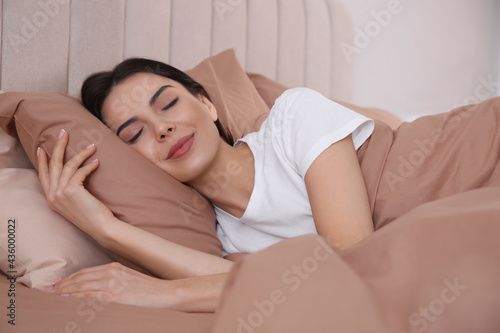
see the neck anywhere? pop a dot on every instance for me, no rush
(228, 182)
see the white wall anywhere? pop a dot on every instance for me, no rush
(415, 57)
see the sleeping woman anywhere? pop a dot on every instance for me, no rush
(299, 174)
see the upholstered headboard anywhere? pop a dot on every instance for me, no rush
(55, 44)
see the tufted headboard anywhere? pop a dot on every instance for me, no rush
(55, 44)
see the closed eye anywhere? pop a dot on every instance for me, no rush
(135, 137)
(170, 104)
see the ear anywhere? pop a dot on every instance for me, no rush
(212, 111)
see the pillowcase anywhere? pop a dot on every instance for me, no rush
(26, 226)
(12, 154)
(135, 190)
(240, 107)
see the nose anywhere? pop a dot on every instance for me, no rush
(164, 129)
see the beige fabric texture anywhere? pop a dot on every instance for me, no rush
(269, 90)
(46, 246)
(55, 44)
(12, 154)
(431, 266)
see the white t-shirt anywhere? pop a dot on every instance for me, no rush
(301, 125)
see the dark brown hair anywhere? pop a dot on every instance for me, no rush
(97, 87)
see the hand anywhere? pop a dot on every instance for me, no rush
(63, 187)
(114, 283)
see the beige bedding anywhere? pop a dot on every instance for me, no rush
(41, 312)
(433, 265)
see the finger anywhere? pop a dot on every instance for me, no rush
(90, 273)
(83, 172)
(43, 169)
(79, 273)
(72, 166)
(82, 271)
(80, 282)
(112, 277)
(56, 160)
(89, 284)
(87, 273)
(102, 297)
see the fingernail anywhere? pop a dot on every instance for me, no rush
(61, 133)
(65, 295)
(38, 151)
(90, 146)
(56, 281)
(95, 161)
(49, 290)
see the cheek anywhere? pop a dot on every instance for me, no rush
(147, 150)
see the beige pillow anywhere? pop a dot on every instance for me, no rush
(269, 90)
(38, 245)
(12, 154)
(240, 107)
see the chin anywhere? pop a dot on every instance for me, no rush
(182, 173)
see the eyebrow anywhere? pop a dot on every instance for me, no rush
(151, 103)
(125, 124)
(157, 94)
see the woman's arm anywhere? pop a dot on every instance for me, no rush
(63, 186)
(338, 196)
(165, 259)
(234, 257)
(117, 283)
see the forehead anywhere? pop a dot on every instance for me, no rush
(131, 95)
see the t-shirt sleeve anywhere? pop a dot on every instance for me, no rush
(305, 123)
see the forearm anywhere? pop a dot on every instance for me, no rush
(197, 294)
(165, 259)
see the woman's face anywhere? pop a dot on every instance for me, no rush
(165, 123)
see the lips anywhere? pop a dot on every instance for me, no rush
(181, 147)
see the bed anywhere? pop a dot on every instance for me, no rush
(433, 269)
